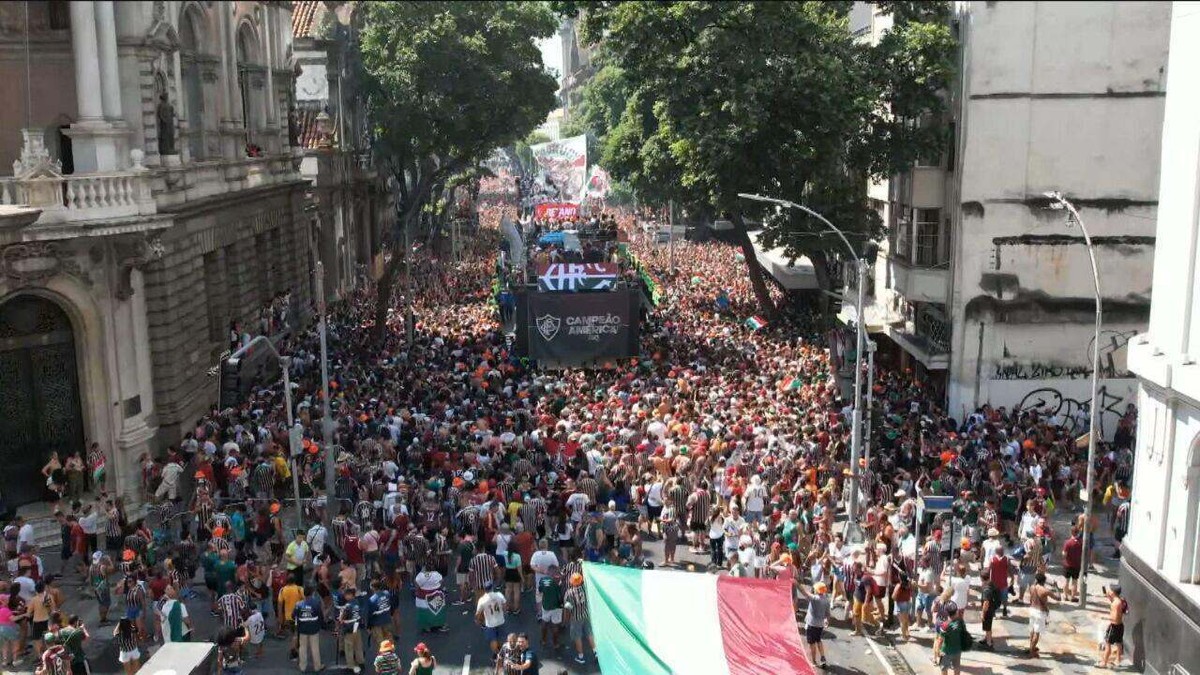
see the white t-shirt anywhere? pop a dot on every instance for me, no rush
(491, 606)
(28, 587)
(25, 536)
(541, 561)
(256, 627)
(755, 497)
(654, 494)
(165, 614)
(990, 546)
(746, 556)
(502, 540)
(960, 589)
(578, 503)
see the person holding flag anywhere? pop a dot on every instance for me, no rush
(430, 600)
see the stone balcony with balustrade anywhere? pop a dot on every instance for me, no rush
(128, 200)
(76, 198)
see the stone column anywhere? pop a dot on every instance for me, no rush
(270, 119)
(87, 61)
(110, 73)
(233, 136)
(96, 144)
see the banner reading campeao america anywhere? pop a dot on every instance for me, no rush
(578, 329)
(562, 166)
(577, 276)
(680, 623)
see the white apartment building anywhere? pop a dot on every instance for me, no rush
(1160, 562)
(980, 288)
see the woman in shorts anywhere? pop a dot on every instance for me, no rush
(10, 632)
(125, 635)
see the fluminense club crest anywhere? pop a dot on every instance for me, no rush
(548, 326)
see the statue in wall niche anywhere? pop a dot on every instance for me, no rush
(166, 125)
(293, 128)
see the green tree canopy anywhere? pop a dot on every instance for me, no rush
(447, 82)
(775, 98)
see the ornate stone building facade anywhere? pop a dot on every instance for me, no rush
(156, 199)
(350, 200)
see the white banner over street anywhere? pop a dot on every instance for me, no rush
(562, 167)
(598, 183)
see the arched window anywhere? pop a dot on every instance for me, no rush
(1190, 574)
(192, 57)
(251, 78)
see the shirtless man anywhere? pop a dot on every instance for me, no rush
(1039, 610)
(1115, 635)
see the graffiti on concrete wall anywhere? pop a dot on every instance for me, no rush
(1039, 371)
(1113, 351)
(1074, 412)
(1113, 344)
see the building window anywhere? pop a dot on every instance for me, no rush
(190, 42)
(251, 81)
(1190, 572)
(928, 236)
(60, 14)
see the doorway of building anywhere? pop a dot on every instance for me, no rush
(39, 395)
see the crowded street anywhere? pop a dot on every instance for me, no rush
(599, 338)
(722, 450)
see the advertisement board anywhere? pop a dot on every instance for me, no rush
(571, 329)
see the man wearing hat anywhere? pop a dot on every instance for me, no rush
(489, 613)
(387, 663)
(815, 621)
(576, 606)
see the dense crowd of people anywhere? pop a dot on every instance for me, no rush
(466, 475)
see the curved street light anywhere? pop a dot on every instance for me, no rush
(859, 319)
(1058, 202)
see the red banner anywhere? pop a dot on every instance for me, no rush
(555, 211)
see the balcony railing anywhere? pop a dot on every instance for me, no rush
(932, 325)
(927, 249)
(79, 198)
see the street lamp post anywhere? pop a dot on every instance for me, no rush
(856, 420)
(671, 236)
(331, 503)
(1060, 202)
(871, 346)
(293, 438)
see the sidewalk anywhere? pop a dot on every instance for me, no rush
(1069, 644)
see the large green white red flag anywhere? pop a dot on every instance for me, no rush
(680, 623)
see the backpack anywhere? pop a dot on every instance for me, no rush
(968, 640)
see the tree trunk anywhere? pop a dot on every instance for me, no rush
(387, 280)
(761, 292)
